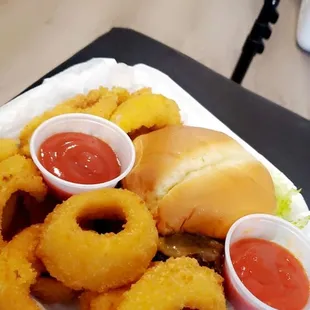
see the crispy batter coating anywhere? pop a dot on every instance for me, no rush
(86, 298)
(177, 283)
(51, 291)
(100, 102)
(8, 147)
(104, 301)
(141, 91)
(146, 110)
(122, 94)
(84, 259)
(17, 271)
(19, 174)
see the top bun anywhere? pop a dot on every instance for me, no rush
(198, 180)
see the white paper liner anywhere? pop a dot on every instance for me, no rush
(107, 72)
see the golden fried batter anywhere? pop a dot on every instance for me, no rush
(17, 273)
(8, 147)
(177, 283)
(108, 301)
(86, 298)
(18, 174)
(100, 102)
(146, 110)
(141, 91)
(84, 259)
(122, 94)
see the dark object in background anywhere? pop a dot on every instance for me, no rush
(254, 43)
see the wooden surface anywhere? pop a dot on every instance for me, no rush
(37, 35)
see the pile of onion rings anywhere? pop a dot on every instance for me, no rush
(17, 174)
(18, 270)
(61, 259)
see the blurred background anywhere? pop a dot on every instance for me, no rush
(37, 35)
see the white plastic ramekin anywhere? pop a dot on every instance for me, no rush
(95, 126)
(270, 228)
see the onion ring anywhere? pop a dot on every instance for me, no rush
(86, 299)
(18, 270)
(146, 110)
(104, 301)
(18, 173)
(100, 102)
(8, 148)
(86, 260)
(176, 284)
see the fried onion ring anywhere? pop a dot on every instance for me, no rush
(122, 94)
(8, 148)
(51, 291)
(100, 102)
(18, 173)
(146, 110)
(104, 301)
(86, 299)
(84, 259)
(176, 284)
(18, 271)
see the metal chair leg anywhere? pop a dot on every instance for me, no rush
(254, 43)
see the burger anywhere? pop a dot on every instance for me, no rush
(197, 182)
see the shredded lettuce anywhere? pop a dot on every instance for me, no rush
(284, 196)
(302, 222)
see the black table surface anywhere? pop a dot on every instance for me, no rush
(280, 135)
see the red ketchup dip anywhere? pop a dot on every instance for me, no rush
(79, 158)
(270, 272)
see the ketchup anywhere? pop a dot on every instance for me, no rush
(79, 158)
(271, 273)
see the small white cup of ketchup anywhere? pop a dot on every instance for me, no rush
(79, 152)
(267, 264)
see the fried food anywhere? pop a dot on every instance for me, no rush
(176, 284)
(146, 110)
(19, 221)
(51, 291)
(84, 259)
(8, 148)
(86, 298)
(121, 93)
(23, 210)
(100, 102)
(18, 271)
(104, 301)
(141, 91)
(18, 174)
